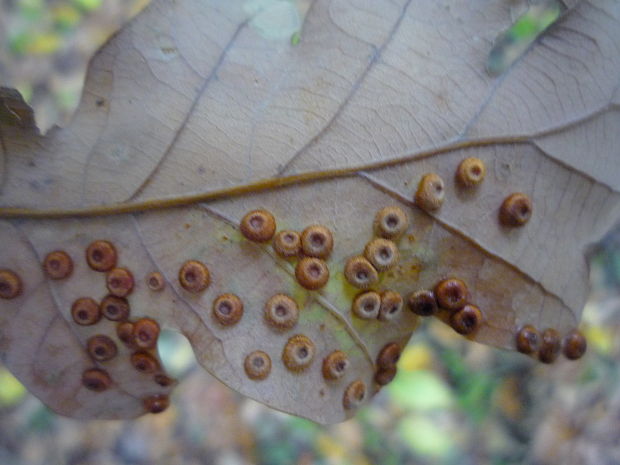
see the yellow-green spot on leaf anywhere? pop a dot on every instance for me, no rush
(11, 390)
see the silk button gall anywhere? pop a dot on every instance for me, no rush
(471, 172)
(516, 210)
(10, 285)
(287, 244)
(281, 312)
(335, 365)
(298, 353)
(156, 404)
(385, 376)
(101, 348)
(466, 320)
(360, 273)
(85, 311)
(257, 365)
(96, 380)
(312, 273)
(390, 222)
(574, 345)
(194, 276)
(422, 303)
(354, 395)
(527, 340)
(431, 192)
(228, 309)
(144, 362)
(155, 281)
(125, 332)
(101, 256)
(119, 282)
(145, 333)
(317, 241)
(367, 305)
(258, 226)
(58, 265)
(164, 380)
(549, 346)
(115, 308)
(382, 253)
(389, 355)
(391, 305)
(451, 294)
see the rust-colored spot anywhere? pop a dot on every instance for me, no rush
(10, 284)
(194, 276)
(58, 265)
(431, 192)
(317, 241)
(390, 222)
(125, 332)
(281, 312)
(467, 320)
(312, 273)
(516, 210)
(96, 380)
(391, 305)
(257, 365)
(228, 309)
(156, 404)
(155, 281)
(258, 226)
(422, 303)
(101, 348)
(574, 345)
(287, 244)
(527, 339)
(119, 282)
(360, 273)
(144, 362)
(354, 395)
(145, 333)
(298, 353)
(164, 380)
(471, 172)
(385, 376)
(451, 294)
(382, 253)
(335, 365)
(85, 311)
(389, 355)
(115, 308)
(366, 305)
(101, 256)
(549, 346)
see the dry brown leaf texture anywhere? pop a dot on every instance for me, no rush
(194, 115)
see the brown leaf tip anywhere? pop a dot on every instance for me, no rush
(549, 346)
(257, 365)
(422, 303)
(390, 222)
(354, 395)
(516, 210)
(119, 282)
(228, 309)
(382, 253)
(58, 265)
(391, 305)
(367, 305)
(527, 340)
(10, 284)
(360, 273)
(451, 294)
(145, 333)
(471, 172)
(258, 226)
(144, 362)
(312, 273)
(317, 241)
(467, 320)
(574, 345)
(101, 348)
(115, 308)
(155, 281)
(287, 244)
(101, 255)
(96, 380)
(281, 312)
(335, 365)
(85, 311)
(194, 276)
(431, 192)
(298, 353)
(156, 404)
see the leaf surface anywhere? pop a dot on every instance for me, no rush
(207, 116)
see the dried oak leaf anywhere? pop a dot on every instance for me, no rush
(325, 131)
